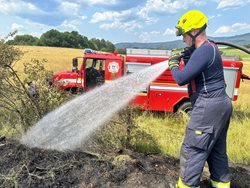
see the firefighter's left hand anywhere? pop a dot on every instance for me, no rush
(174, 61)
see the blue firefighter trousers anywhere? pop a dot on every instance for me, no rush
(205, 140)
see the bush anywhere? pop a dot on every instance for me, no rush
(120, 133)
(18, 108)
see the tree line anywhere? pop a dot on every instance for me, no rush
(66, 39)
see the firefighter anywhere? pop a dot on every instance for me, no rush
(32, 90)
(206, 132)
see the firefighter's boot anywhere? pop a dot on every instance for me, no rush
(216, 184)
(180, 184)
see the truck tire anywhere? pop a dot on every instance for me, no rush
(185, 107)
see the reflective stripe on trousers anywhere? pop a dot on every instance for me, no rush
(205, 140)
(182, 185)
(216, 184)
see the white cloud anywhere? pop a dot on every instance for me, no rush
(99, 2)
(109, 16)
(169, 32)
(34, 26)
(52, 16)
(14, 6)
(69, 8)
(223, 4)
(112, 19)
(214, 16)
(233, 28)
(198, 3)
(163, 6)
(224, 29)
(83, 17)
(16, 26)
(126, 26)
(72, 24)
(147, 36)
(125, 20)
(241, 26)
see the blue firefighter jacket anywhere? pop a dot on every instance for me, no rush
(205, 68)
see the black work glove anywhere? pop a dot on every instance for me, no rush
(186, 54)
(174, 61)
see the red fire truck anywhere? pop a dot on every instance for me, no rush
(163, 94)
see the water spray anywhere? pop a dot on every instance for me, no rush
(68, 127)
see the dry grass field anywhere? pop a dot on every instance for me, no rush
(58, 59)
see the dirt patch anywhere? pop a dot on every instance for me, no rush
(25, 167)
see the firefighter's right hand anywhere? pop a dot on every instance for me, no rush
(174, 61)
(186, 54)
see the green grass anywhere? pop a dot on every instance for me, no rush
(7, 129)
(234, 52)
(239, 140)
(168, 131)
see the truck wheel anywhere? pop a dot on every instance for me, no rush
(72, 90)
(185, 107)
(76, 90)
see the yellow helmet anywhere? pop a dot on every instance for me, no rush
(193, 19)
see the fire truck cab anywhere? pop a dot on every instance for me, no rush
(163, 94)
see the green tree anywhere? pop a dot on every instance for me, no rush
(66, 39)
(51, 38)
(102, 45)
(85, 42)
(78, 39)
(92, 44)
(110, 47)
(72, 40)
(121, 50)
(24, 40)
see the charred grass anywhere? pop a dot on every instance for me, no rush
(25, 167)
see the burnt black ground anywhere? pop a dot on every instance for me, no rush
(24, 167)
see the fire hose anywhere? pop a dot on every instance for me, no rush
(186, 53)
(233, 45)
(244, 49)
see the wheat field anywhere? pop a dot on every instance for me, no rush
(58, 59)
(166, 130)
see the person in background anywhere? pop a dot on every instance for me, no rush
(32, 90)
(206, 132)
(74, 69)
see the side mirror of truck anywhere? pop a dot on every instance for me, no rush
(75, 65)
(75, 62)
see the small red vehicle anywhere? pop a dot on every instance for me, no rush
(163, 94)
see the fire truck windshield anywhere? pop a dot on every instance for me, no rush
(95, 71)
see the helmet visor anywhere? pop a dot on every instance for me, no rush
(179, 31)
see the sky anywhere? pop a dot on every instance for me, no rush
(121, 20)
